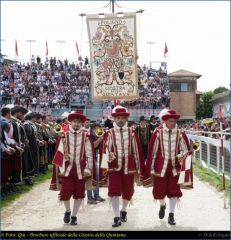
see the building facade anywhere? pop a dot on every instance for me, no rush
(183, 93)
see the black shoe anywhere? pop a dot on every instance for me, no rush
(17, 189)
(2, 193)
(123, 216)
(99, 199)
(117, 222)
(30, 181)
(73, 220)
(162, 211)
(171, 219)
(44, 169)
(91, 201)
(10, 190)
(67, 217)
(5, 191)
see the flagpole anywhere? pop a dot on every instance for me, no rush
(223, 163)
(222, 152)
(15, 50)
(116, 102)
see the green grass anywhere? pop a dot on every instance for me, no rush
(26, 188)
(211, 178)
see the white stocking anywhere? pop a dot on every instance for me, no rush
(162, 202)
(124, 204)
(76, 206)
(116, 206)
(67, 205)
(172, 205)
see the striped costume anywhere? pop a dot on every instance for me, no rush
(74, 157)
(126, 162)
(167, 150)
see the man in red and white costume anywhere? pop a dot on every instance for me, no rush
(74, 157)
(124, 164)
(169, 147)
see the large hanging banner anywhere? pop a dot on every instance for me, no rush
(113, 53)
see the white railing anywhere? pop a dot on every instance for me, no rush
(209, 153)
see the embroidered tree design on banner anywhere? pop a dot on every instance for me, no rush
(113, 53)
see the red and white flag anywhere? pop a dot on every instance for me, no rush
(219, 112)
(59, 158)
(186, 173)
(46, 49)
(16, 48)
(77, 48)
(165, 50)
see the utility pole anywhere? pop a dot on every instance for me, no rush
(30, 41)
(60, 48)
(150, 52)
(113, 5)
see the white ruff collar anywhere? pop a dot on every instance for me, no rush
(117, 128)
(166, 129)
(73, 131)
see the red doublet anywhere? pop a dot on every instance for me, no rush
(126, 163)
(73, 163)
(163, 166)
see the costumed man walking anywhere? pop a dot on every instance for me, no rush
(125, 163)
(168, 152)
(74, 157)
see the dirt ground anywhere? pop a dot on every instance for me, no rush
(201, 209)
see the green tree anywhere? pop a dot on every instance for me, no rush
(220, 90)
(205, 108)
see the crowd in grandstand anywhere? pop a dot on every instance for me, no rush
(45, 86)
(52, 85)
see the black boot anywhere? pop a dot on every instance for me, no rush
(67, 217)
(73, 220)
(171, 219)
(162, 211)
(117, 222)
(123, 216)
(17, 188)
(30, 180)
(5, 191)
(44, 171)
(2, 193)
(10, 189)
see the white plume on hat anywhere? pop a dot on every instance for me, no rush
(29, 112)
(9, 106)
(64, 115)
(162, 113)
